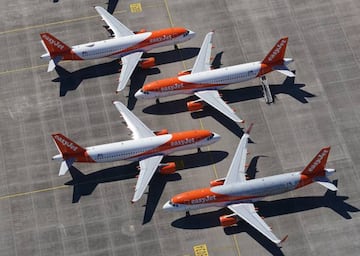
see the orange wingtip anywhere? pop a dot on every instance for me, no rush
(284, 239)
(249, 129)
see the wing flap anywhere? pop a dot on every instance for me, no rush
(138, 128)
(248, 213)
(148, 167)
(213, 98)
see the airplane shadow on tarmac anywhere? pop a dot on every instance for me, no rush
(231, 96)
(70, 81)
(269, 209)
(85, 184)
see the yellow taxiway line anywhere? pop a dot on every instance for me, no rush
(32, 192)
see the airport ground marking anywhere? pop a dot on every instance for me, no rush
(236, 245)
(135, 7)
(201, 250)
(32, 192)
(55, 23)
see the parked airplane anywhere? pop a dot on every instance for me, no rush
(126, 44)
(204, 82)
(238, 194)
(147, 147)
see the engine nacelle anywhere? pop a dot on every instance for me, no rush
(217, 182)
(195, 105)
(167, 168)
(161, 132)
(147, 63)
(229, 220)
(184, 72)
(143, 30)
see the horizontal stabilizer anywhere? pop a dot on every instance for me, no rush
(283, 70)
(65, 165)
(53, 62)
(324, 181)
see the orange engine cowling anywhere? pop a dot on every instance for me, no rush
(167, 168)
(217, 182)
(143, 30)
(184, 72)
(195, 105)
(161, 132)
(229, 220)
(147, 63)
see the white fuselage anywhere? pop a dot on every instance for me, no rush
(206, 80)
(247, 191)
(135, 150)
(119, 47)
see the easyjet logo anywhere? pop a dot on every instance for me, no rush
(172, 87)
(318, 161)
(53, 42)
(160, 39)
(182, 142)
(276, 51)
(66, 143)
(203, 199)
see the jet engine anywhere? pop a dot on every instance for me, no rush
(229, 220)
(195, 105)
(143, 30)
(147, 63)
(217, 182)
(167, 168)
(161, 132)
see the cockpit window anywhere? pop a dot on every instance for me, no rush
(211, 136)
(186, 33)
(172, 204)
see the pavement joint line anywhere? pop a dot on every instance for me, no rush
(32, 192)
(201, 123)
(55, 23)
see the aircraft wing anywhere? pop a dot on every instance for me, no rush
(138, 128)
(202, 62)
(213, 98)
(129, 63)
(148, 167)
(247, 212)
(114, 24)
(236, 172)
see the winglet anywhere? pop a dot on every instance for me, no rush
(249, 129)
(283, 240)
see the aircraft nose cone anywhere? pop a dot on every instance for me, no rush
(216, 137)
(139, 94)
(167, 206)
(191, 34)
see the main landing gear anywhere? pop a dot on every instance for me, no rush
(266, 90)
(187, 214)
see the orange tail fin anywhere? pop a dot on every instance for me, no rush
(317, 166)
(53, 45)
(277, 53)
(66, 146)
